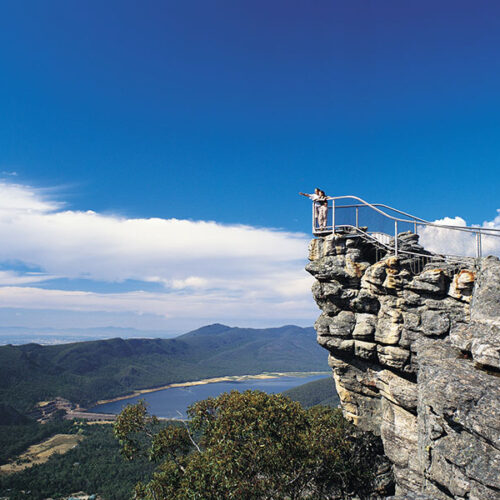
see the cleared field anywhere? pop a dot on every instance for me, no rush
(41, 452)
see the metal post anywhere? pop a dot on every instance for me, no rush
(396, 238)
(415, 223)
(357, 216)
(478, 244)
(333, 216)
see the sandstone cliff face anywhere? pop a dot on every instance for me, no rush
(415, 353)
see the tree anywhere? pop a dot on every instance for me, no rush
(250, 445)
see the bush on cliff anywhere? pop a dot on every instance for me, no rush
(250, 445)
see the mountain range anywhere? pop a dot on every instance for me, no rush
(85, 372)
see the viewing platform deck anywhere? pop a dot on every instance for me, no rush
(384, 226)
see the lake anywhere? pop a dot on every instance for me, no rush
(173, 402)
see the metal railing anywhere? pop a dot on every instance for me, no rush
(382, 224)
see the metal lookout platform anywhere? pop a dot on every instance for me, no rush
(385, 226)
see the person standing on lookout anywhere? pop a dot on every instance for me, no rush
(320, 203)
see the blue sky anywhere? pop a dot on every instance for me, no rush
(222, 111)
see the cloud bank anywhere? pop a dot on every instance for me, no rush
(451, 242)
(198, 268)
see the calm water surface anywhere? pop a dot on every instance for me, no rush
(173, 402)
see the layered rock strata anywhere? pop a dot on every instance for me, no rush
(414, 344)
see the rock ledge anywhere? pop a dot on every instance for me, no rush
(415, 350)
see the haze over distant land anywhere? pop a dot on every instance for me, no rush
(48, 336)
(149, 172)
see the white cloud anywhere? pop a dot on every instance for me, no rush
(190, 282)
(206, 268)
(87, 244)
(452, 242)
(13, 278)
(212, 306)
(16, 199)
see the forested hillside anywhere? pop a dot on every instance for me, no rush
(317, 392)
(95, 466)
(84, 372)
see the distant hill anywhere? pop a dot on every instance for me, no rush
(317, 392)
(85, 372)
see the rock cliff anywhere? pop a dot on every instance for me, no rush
(414, 344)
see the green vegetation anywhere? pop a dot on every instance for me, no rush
(10, 416)
(15, 439)
(249, 446)
(85, 372)
(318, 392)
(94, 466)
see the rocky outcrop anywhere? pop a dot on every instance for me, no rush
(414, 346)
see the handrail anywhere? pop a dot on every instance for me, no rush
(415, 218)
(376, 241)
(410, 219)
(378, 205)
(366, 235)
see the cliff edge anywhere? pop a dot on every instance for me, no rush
(414, 344)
